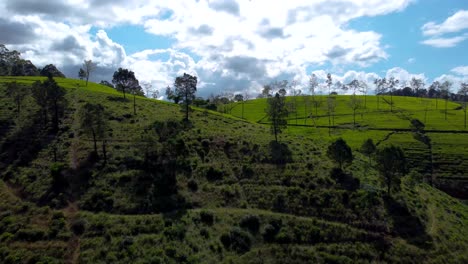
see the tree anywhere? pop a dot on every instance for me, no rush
(392, 84)
(81, 74)
(240, 98)
(464, 92)
(93, 122)
(50, 97)
(313, 84)
(355, 104)
(136, 89)
(329, 83)
(50, 69)
(434, 91)
(391, 163)
(363, 88)
(417, 84)
(39, 93)
(340, 152)
(185, 88)
(445, 92)
(380, 87)
(277, 113)
(56, 98)
(17, 93)
(266, 92)
(89, 67)
(124, 80)
(368, 148)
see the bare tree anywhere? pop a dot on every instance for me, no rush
(417, 84)
(380, 87)
(392, 85)
(464, 92)
(445, 92)
(363, 88)
(435, 88)
(88, 67)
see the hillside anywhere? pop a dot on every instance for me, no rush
(443, 160)
(216, 189)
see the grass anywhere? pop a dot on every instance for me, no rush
(226, 172)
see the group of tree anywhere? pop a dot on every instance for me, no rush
(390, 160)
(11, 64)
(50, 97)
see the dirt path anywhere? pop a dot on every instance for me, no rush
(73, 254)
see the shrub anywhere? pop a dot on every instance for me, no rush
(192, 185)
(237, 240)
(30, 235)
(175, 232)
(250, 222)
(79, 226)
(207, 217)
(214, 174)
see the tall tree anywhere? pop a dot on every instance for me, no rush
(124, 80)
(380, 87)
(464, 92)
(186, 87)
(392, 85)
(363, 88)
(89, 67)
(313, 84)
(17, 93)
(391, 163)
(368, 148)
(340, 152)
(56, 98)
(445, 93)
(39, 93)
(136, 89)
(93, 122)
(277, 113)
(417, 85)
(355, 104)
(434, 91)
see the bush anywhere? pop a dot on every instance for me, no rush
(192, 185)
(30, 235)
(214, 174)
(270, 230)
(175, 232)
(237, 240)
(250, 222)
(79, 226)
(207, 217)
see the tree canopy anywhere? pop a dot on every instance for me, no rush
(277, 113)
(340, 152)
(185, 88)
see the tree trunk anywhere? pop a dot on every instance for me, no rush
(87, 78)
(391, 102)
(104, 152)
(95, 142)
(123, 90)
(465, 115)
(377, 102)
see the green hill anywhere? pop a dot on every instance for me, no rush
(214, 190)
(443, 160)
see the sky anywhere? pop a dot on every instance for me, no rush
(237, 46)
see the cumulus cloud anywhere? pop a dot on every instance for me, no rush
(445, 42)
(454, 23)
(461, 70)
(228, 44)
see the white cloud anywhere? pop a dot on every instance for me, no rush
(454, 80)
(411, 60)
(445, 42)
(454, 23)
(461, 70)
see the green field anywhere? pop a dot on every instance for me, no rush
(235, 200)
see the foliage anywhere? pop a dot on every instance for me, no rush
(277, 113)
(185, 88)
(391, 164)
(340, 152)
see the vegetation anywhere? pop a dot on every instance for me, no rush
(215, 189)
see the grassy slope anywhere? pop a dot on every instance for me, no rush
(319, 219)
(450, 150)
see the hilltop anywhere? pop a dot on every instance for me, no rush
(218, 188)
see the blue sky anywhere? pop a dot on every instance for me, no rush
(240, 45)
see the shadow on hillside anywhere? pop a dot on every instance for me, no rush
(407, 225)
(280, 153)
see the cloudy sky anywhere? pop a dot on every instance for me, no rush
(239, 45)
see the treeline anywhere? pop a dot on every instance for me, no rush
(11, 64)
